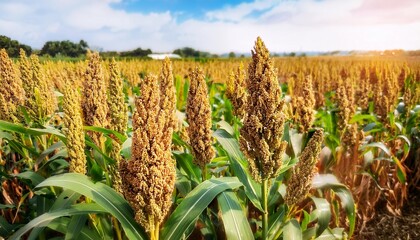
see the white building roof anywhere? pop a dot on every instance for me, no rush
(161, 56)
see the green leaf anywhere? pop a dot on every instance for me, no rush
(7, 126)
(126, 148)
(182, 183)
(328, 234)
(330, 181)
(296, 140)
(61, 225)
(46, 218)
(51, 149)
(194, 204)
(185, 161)
(63, 201)
(103, 195)
(226, 126)
(5, 227)
(362, 117)
(239, 166)
(292, 230)
(401, 173)
(34, 177)
(75, 226)
(323, 214)
(379, 145)
(234, 220)
(275, 222)
(96, 149)
(107, 132)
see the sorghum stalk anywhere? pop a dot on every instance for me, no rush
(167, 102)
(198, 113)
(149, 177)
(299, 184)
(263, 127)
(118, 120)
(304, 106)
(236, 91)
(94, 101)
(73, 123)
(262, 132)
(42, 102)
(12, 94)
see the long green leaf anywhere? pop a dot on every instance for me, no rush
(330, 181)
(194, 204)
(63, 201)
(292, 230)
(61, 225)
(12, 127)
(275, 222)
(103, 195)
(239, 166)
(234, 220)
(323, 213)
(380, 145)
(75, 226)
(184, 160)
(106, 131)
(46, 218)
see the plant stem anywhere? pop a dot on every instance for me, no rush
(264, 191)
(117, 228)
(157, 226)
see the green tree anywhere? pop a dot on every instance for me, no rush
(64, 48)
(12, 46)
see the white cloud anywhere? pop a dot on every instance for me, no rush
(284, 25)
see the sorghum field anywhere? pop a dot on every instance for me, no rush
(258, 148)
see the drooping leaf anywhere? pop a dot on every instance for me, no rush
(234, 220)
(275, 223)
(239, 166)
(12, 127)
(46, 218)
(292, 230)
(323, 214)
(61, 225)
(103, 195)
(322, 181)
(194, 204)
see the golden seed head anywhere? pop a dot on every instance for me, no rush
(304, 105)
(148, 179)
(198, 113)
(236, 91)
(26, 74)
(73, 123)
(117, 107)
(299, 184)
(41, 101)
(94, 101)
(345, 104)
(168, 101)
(12, 94)
(263, 126)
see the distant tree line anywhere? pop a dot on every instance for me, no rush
(12, 46)
(64, 48)
(191, 52)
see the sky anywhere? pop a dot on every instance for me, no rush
(216, 26)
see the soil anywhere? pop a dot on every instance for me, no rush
(387, 226)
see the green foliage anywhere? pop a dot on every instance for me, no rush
(188, 52)
(12, 46)
(64, 48)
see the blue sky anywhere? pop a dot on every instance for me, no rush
(182, 9)
(216, 26)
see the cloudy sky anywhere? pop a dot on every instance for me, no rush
(216, 26)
